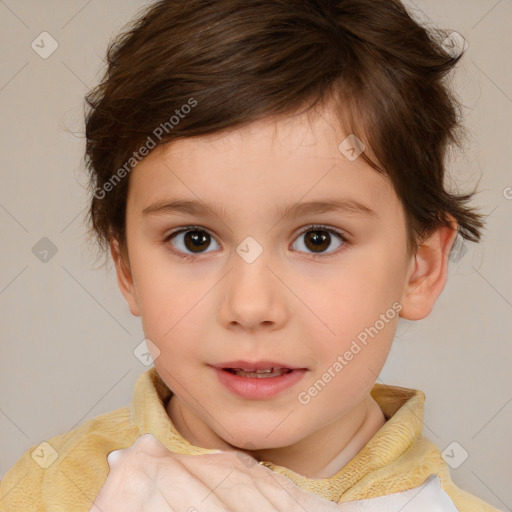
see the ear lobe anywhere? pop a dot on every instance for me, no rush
(124, 277)
(427, 276)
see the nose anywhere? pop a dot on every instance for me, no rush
(253, 296)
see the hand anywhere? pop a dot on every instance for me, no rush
(148, 477)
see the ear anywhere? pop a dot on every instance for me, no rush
(124, 277)
(428, 272)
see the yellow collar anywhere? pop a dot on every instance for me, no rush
(375, 471)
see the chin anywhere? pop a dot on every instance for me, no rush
(251, 439)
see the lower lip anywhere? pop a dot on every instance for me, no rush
(254, 388)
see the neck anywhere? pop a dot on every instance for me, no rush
(311, 457)
(324, 453)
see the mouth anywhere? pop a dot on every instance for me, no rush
(258, 374)
(257, 369)
(258, 380)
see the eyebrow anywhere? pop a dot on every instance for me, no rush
(198, 208)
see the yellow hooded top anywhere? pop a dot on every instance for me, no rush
(68, 471)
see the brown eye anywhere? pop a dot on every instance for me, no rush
(194, 241)
(318, 239)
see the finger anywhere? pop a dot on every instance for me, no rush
(231, 484)
(127, 486)
(151, 445)
(286, 495)
(147, 471)
(123, 490)
(184, 488)
(257, 486)
(95, 508)
(147, 444)
(114, 457)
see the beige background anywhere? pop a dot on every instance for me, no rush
(67, 337)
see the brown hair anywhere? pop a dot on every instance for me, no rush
(238, 61)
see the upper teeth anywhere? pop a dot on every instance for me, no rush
(268, 370)
(266, 373)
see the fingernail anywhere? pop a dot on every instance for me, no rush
(112, 457)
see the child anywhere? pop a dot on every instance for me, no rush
(268, 177)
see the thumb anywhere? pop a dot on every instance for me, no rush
(113, 457)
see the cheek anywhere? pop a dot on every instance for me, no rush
(354, 298)
(359, 310)
(346, 370)
(165, 294)
(175, 323)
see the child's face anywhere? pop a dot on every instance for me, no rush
(285, 306)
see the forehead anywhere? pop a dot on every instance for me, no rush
(274, 161)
